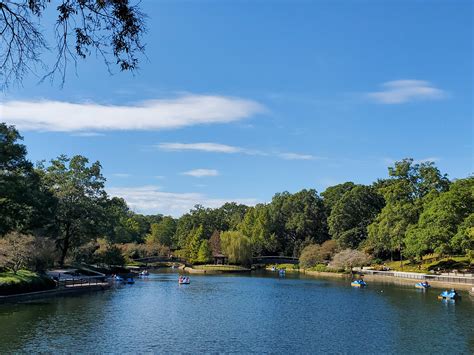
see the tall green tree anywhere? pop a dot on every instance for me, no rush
(79, 189)
(163, 231)
(351, 215)
(409, 186)
(334, 193)
(204, 253)
(298, 219)
(441, 220)
(257, 225)
(25, 205)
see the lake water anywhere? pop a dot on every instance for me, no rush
(246, 314)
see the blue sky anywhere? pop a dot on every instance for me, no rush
(238, 100)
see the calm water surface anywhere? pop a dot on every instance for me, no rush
(244, 314)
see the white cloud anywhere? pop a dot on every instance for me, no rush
(204, 147)
(160, 114)
(121, 175)
(201, 172)
(148, 199)
(296, 156)
(401, 91)
(229, 149)
(87, 134)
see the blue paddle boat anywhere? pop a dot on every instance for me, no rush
(423, 285)
(130, 281)
(358, 283)
(282, 272)
(449, 295)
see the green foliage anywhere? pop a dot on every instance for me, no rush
(25, 206)
(194, 243)
(163, 231)
(111, 256)
(23, 281)
(297, 218)
(441, 227)
(204, 253)
(257, 225)
(334, 193)
(81, 198)
(237, 247)
(404, 193)
(351, 215)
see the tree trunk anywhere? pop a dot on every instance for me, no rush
(65, 246)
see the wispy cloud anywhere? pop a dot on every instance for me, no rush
(229, 149)
(121, 175)
(87, 134)
(149, 199)
(203, 147)
(401, 91)
(296, 156)
(159, 114)
(201, 173)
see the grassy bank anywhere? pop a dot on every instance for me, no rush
(22, 282)
(431, 263)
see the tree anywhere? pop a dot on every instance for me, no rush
(257, 225)
(25, 206)
(215, 243)
(113, 29)
(194, 243)
(314, 254)
(442, 219)
(237, 247)
(351, 215)
(298, 218)
(79, 189)
(463, 241)
(16, 251)
(348, 258)
(204, 253)
(163, 231)
(409, 187)
(334, 193)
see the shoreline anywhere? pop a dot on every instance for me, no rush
(391, 279)
(56, 292)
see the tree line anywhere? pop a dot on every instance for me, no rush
(63, 208)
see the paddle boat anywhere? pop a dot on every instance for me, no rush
(423, 285)
(449, 295)
(117, 278)
(281, 272)
(184, 280)
(273, 268)
(144, 273)
(129, 281)
(358, 283)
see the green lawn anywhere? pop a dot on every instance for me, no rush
(23, 281)
(431, 262)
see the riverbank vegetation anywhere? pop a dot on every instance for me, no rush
(58, 212)
(23, 281)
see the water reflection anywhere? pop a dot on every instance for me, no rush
(232, 313)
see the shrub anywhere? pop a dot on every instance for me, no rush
(16, 251)
(348, 258)
(310, 256)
